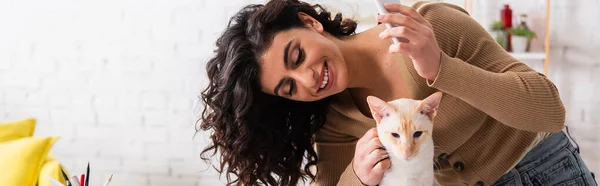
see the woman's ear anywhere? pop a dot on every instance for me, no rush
(310, 22)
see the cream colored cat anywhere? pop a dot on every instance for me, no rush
(404, 127)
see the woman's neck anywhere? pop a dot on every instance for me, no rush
(369, 73)
(365, 56)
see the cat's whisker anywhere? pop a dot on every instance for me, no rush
(437, 167)
(437, 147)
(436, 164)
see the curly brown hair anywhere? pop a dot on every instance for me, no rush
(262, 139)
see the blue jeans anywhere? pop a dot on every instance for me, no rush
(554, 161)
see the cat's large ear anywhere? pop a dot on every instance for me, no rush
(430, 104)
(379, 108)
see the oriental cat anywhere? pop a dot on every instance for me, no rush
(404, 127)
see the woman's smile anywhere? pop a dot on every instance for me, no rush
(326, 78)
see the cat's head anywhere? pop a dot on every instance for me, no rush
(405, 125)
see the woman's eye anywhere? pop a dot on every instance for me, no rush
(417, 134)
(300, 56)
(291, 91)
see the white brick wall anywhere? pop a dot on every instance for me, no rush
(119, 80)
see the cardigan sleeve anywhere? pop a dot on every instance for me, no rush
(480, 72)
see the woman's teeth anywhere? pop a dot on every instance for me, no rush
(325, 79)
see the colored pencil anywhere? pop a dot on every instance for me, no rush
(108, 180)
(82, 181)
(87, 178)
(65, 177)
(74, 181)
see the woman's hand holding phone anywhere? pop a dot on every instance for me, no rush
(421, 45)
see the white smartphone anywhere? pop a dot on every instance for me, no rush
(381, 9)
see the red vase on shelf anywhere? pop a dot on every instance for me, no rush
(506, 17)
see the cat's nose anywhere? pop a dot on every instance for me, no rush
(407, 155)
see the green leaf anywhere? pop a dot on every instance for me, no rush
(522, 31)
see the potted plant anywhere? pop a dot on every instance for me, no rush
(521, 36)
(499, 33)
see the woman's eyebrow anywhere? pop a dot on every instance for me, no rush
(286, 51)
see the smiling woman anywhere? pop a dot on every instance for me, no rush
(303, 64)
(289, 85)
(261, 136)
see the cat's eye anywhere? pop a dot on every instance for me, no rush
(417, 134)
(396, 135)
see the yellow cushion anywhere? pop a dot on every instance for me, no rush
(17, 129)
(22, 159)
(25, 128)
(51, 168)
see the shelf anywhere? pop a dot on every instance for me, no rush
(529, 56)
(542, 56)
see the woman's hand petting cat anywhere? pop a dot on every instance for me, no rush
(370, 159)
(421, 47)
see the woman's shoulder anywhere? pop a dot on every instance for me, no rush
(436, 8)
(451, 24)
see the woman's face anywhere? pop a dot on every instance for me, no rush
(303, 64)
